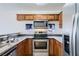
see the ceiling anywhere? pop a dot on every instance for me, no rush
(55, 7)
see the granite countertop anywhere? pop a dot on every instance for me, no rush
(54, 34)
(33, 35)
(10, 45)
(20, 38)
(29, 35)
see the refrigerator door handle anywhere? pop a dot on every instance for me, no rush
(76, 25)
(71, 40)
(74, 34)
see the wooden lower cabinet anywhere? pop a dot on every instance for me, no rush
(50, 47)
(55, 48)
(24, 48)
(28, 47)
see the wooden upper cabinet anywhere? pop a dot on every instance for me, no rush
(20, 17)
(28, 17)
(56, 17)
(49, 17)
(60, 20)
(40, 17)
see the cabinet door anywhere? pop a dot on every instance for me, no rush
(60, 20)
(58, 48)
(24, 48)
(28, 17)
(55, 48)
(51, 17)
(50, 47)
(20, 17)
(28, 47)
(20, 49)
(56, 17)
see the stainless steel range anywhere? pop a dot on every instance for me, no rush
(40, 33)
(40, 43)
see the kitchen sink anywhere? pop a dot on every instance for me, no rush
(7, 40)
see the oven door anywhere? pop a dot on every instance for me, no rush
(40, 45)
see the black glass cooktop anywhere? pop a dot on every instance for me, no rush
(40, 36)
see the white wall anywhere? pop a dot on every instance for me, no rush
(56, 30)
(9, 24)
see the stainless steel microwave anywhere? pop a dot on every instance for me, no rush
(40, 24)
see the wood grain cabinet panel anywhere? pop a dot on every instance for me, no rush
(58, 48)
(51, 18)
(51, 47)
(26, 17)
(55, 47)
(56, 17)
(28, 47)
(20, 17)
(24, 48)
(60, 20)
(20, 49)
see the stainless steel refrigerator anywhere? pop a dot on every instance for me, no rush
(71, 26)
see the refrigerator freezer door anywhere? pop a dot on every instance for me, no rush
(68, 19)
(68, 12)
